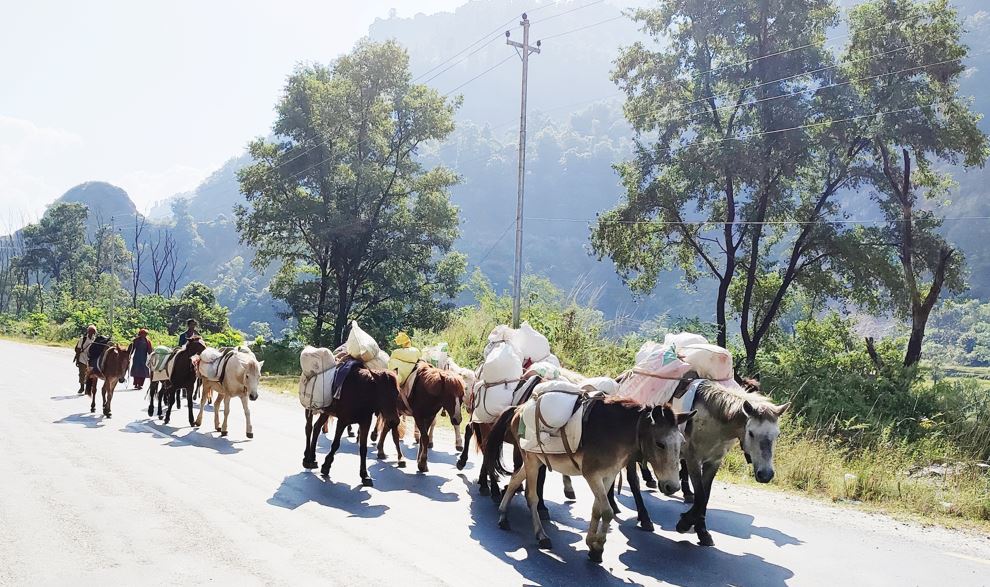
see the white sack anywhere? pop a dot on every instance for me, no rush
(490, 402)
(502, 364)
(709, 360)
(315, 360)
(531, 345)
(316, 391)
(361, 345)
(683, 339)
(556, 408)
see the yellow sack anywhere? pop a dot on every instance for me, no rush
(403, 361)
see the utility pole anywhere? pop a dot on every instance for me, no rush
(524, 49)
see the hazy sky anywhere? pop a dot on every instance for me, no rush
(152, 95)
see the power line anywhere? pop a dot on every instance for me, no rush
(495, 244)
(449, 92)
(566, 12)
(747, 222)
(581, 28)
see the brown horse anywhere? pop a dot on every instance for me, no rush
(364, 393)
(615, 430)
(111, 368)
(182, 376)
(433, 389)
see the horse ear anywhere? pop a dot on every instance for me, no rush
(748, 409)
(682, 418)
(260, 365)
(782, 408)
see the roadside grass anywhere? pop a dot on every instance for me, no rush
(923, 481)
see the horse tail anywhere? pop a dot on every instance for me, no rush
(493, 444)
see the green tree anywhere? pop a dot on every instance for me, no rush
(360, 228)
(56, 245)
(914, 121)
(197, 301)
(734, 176)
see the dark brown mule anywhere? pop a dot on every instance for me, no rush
(614, 432)
(487, 481)
(433, 389)
(364, 393)
(113, 364)
(183, 377)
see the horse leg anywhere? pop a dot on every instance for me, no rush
(503, 507)
(601, 517)
(169, 401)
(541, 507)
(700, 527)
(189, 405)
(686, 483)
(363, 429)
(645, 523)
(424, 445)
(325, 469)
(91, 390)
(462, 460)
(380, 437)
(569, 488)
(249, 431)
(152, 388)
(111, 387)
(202, 406)
(350, 433)
(648, 479)
(313, 440)
(458, 441)
(432, 426)
(398, 447)
(308, 463)
(216, 412)
(226, 413)
(532, 469)
(689, 518)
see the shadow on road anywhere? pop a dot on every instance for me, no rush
(304, 487)
(666, 512)
(86, 419)
(211, 440)
(59, 398)
(684, 563)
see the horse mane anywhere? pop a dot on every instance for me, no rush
(624, 402)
(438, 379)
(726, 404)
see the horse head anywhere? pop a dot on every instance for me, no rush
(453, 397)
(250, 375)
(760, 436)
(387, 395)
(661, 445)
(195, 345)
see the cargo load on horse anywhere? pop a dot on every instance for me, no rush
(211, 364)
(493, 393)
(361, 345)
(322, 377)
(551, 419)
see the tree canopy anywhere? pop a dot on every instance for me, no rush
(361, 230)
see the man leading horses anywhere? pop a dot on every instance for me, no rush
(81, 358)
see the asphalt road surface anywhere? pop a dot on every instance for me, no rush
(128, 501)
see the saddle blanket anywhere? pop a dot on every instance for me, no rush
(159, 361)
(211, 364)
(405, 392)
(319, 391)
(548, 419)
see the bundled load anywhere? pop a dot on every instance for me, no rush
(709, 360)
(532, 346)
(544, 369)
(551, 420)
(211, 364)
(654, 379)
(606, 385)
(316, 389)
(403, 360)
(683, 339)
(437, 356)
(501, 365)
(361, 345)
(159, 361)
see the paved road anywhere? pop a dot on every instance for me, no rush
(85, 500)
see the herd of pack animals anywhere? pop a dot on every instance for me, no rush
(674, 415)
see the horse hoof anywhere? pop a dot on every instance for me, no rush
(223, 433)
(595, 556)
(310, 464)
(569, 494)
(483, 490)
(250, 434)
(458, 447)
(401, 464)
(92, 410)
(545, 544)
(151, 413)
(705, 539)
(688, 498)
(645, 526)
(325, 470)
(460, 464)
(684, 525)
(503, 524)
(544, 514)
(651, 484)
(423, 469)
(367, 482)
(430, 445)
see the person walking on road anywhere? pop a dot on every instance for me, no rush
(140, 350)
(190, 332)
(81, 358)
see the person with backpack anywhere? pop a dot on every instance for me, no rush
(81, 356)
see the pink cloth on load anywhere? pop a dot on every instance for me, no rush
(655, 390)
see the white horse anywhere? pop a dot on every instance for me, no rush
(241, 376)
